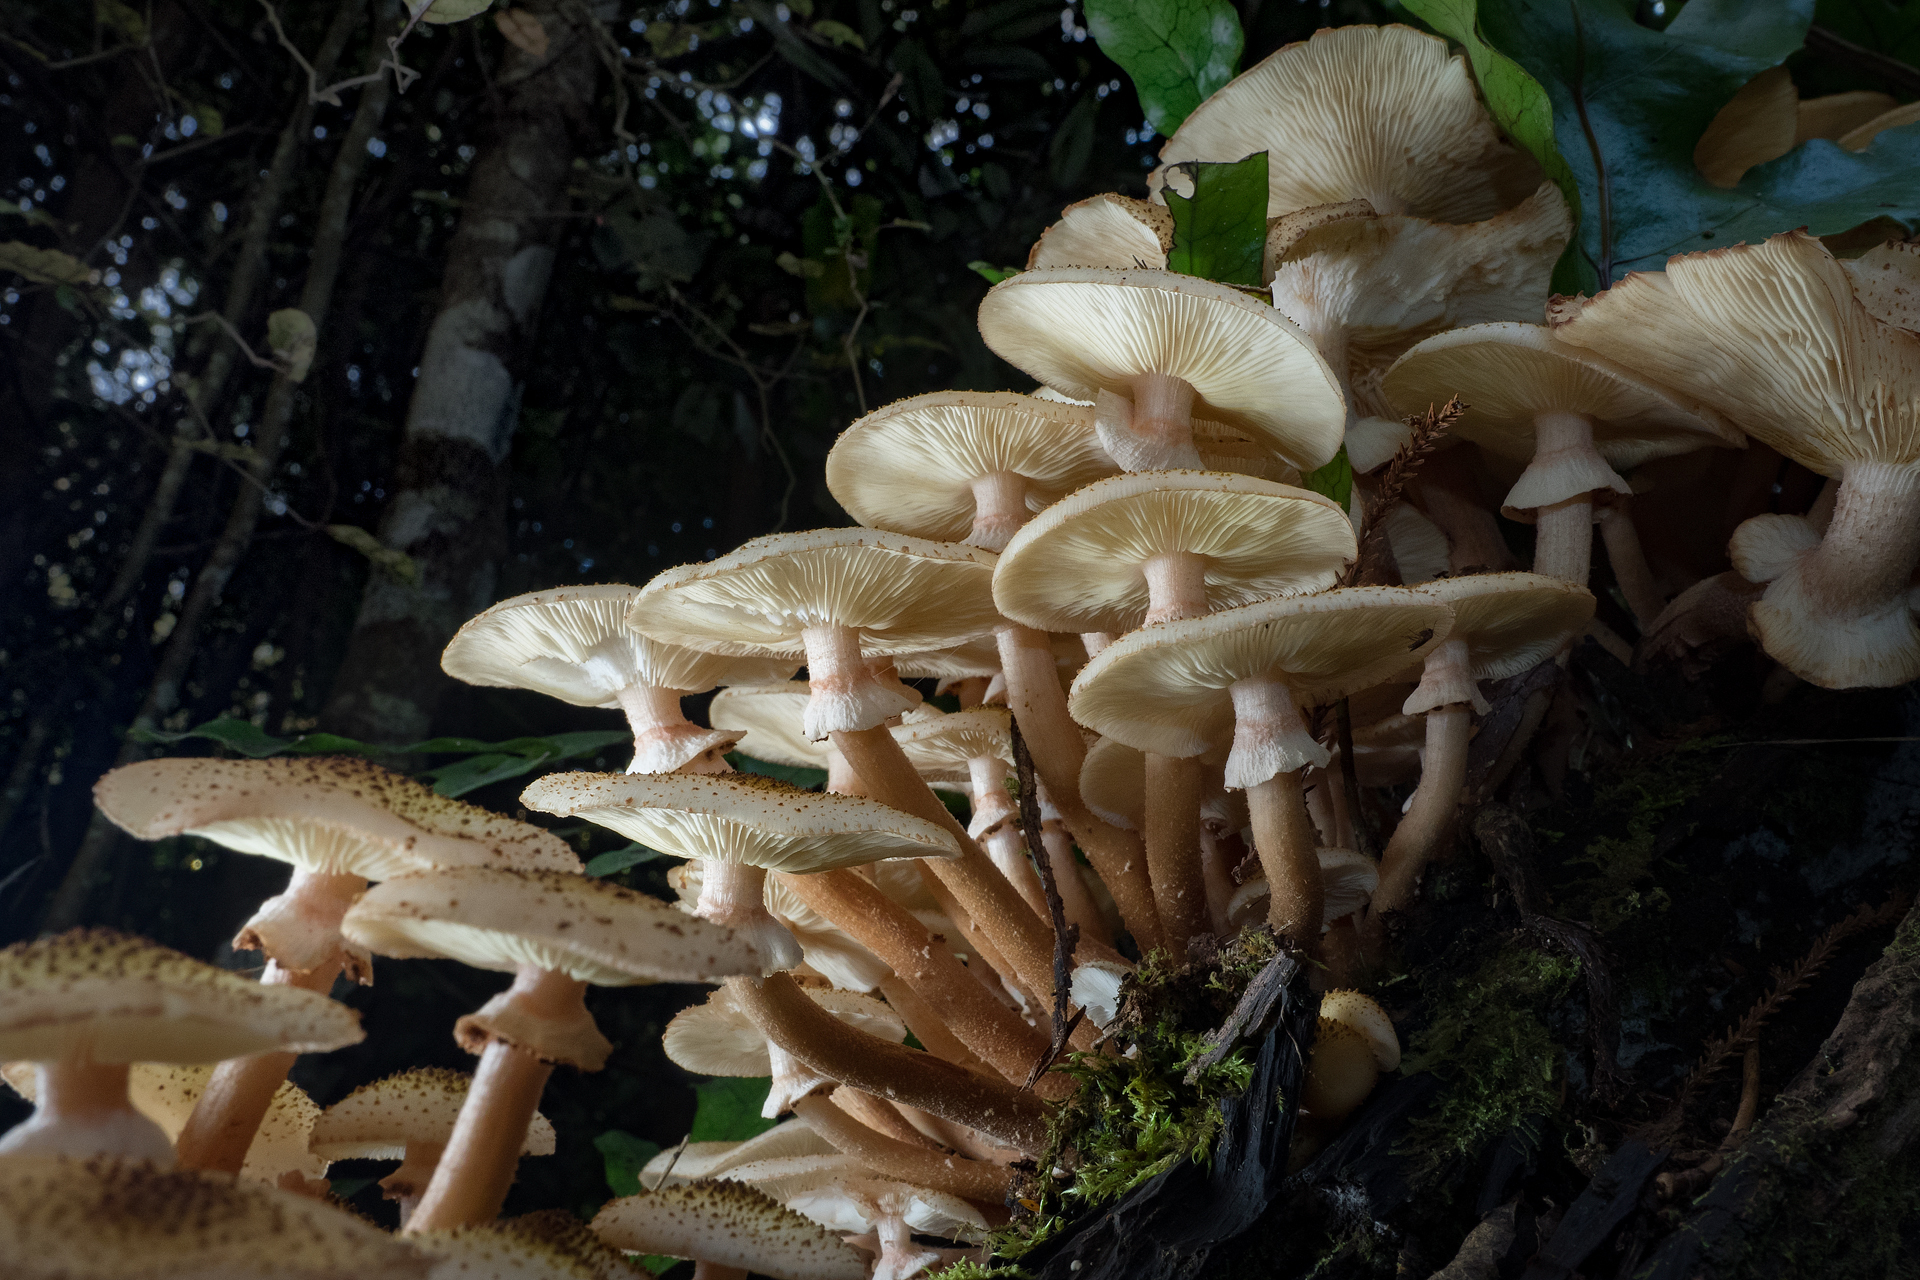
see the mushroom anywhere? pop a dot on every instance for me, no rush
(1354, 1044)
(573, 644)
(1108, 230)
(550, 1245)
(882, 1216)
(107, 1219)
(407, 1117)
(556, 933)
(1576, 416)
(1347, 879)
(716, 1039)
(1383, 114)
(1241, 676)
(827, 949)
(1056, 838)
(82, 1006)
(770, 719)
(974, 750)
(700, 1161)
(340, 822)
(728, 1224)
(1503, 624)
(1114, 780)
(843, 597)
(1817, 359)
(1153, 350)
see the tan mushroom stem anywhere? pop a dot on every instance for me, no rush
(1321, 808)
(1074, 894)
(926, 964)
(1443, 772)
(999, 509)
(406, 1184)
(841, 779)
(300, 929)
(704, 1270)
(1176, 586)
(846, 694)
(734, 894)
(782, 1012)
(1447, 493)
(1152, 431)
(882, 1117)
(1563, 452)
(1094, 641)
(996, 825)
(923, 1165)
(1856, 579)
(1040, 708)
(928, 1027)
(660, 730)
(1271, 746)
(82, 1110)
(1216, 870)
(1614, 515)
(1174, 791)
(221, 1128)
(473, 1176)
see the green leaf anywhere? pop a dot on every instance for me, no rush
(840, 33)
(990, 273)
(242, 736)
(397, 563)
(444, 11)
(477, 771)
(347, 1188)
(633, 855)
(43, 266)
(1335, 480)
(1072, 144)
(1520, 107)
(625, 1156)
(728, 1109)
(1220, 231)
(1630, 102)
(798, 775)
(1177, 51)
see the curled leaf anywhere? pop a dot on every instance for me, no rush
(440, 12)
(43, 266)
(291, 337)
(397, 563)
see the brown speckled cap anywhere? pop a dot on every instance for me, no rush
(103, 1219)
(728, 1224)
(378, 1120)
(119, 998)
(551, 1245)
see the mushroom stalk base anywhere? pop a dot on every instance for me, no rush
(1284, 838)
(1174, 788)
(891, 1157)
(221, 1128)
(1443, 773)
(1629, 562)
(81, 1110)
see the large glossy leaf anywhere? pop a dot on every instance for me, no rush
(625, 1156)
(1220, 230)
(728, 1109)
(1177, 51)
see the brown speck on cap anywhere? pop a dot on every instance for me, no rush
(378, 1120)
(728, 1224)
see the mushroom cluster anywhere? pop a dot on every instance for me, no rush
(1118, 622)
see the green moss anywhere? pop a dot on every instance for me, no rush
(1638, 801)
(1498, 1063)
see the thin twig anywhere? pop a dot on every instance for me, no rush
(1065, 936)
(1427, 429)
(48, 64)
(257, 361)
(403, 75)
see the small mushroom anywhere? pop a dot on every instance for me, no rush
(882, 1216)
(1354, 1043)
(728, 1224)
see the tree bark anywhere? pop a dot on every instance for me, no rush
(446, 514)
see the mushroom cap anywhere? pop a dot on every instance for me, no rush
(1347, 878)
(1886, 281)
(728, 1224)
(829, 951)
(1085, 330)
(1108, 230)
(856, 1205)
(1511, 622)
(979, 656)
(378, 1120)
(334, 815)
(1835, 115)
(588, 929)
(910, 467)
(573, 643)
(1862, 136)
(116, 998)
(1384, 114)
(741, 817)
(1364, 1014)
(939, 747)
(717, 1039)
(1341, 1071)
(1165, 688)
(902, 594)
(1509, 373)
(104, 1219)
(550, 1245)
(1077, 565)
(770, 716)
(165, 1093)
(1775, 335)
(701, 1160)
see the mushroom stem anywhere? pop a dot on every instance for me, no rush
(404, 1185)
(1008, 849)
(1176, 586)
(1216, 871)
(704, 1270)
(734, 894)
(893, 1157)
(1283, 837)
(1074, 894)
(1628, 561)
(1094, 641)
(880, 1116)
(1151, 432)
(221, 1128)
(1564, 462)
(1174, 788)
(926, 965)
(81, 1110)
(1448, 494)
(300, 929)
(782, 1012)
(846, 695)
(841, 779)
(996, 825)
(999, 509)
(1163, 410)
(1563, 539)
(473, 1176)
(927, 1026)
(1321, 808)
(1443, 772)
(1040, 708)
(664, 740)
(970, 692)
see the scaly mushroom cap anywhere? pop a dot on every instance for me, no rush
(728, 1224)
(378, 1120)
(1166, 688)
(1087, 330)
(1383, 114)
(1364, 1014)
(332, 815)
(914, 466)
(124, 1220)
(590, 930)
(1508, 374)
(939, 747)
(741, 817)
(770, 718)
(573, 643)
(113, 998)
(551, 1245)
(1886, 281)
(1078, 566)
(901, 594)
(703, 1160)
(1510, 622)
(1106, 231)
(165, 1093)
